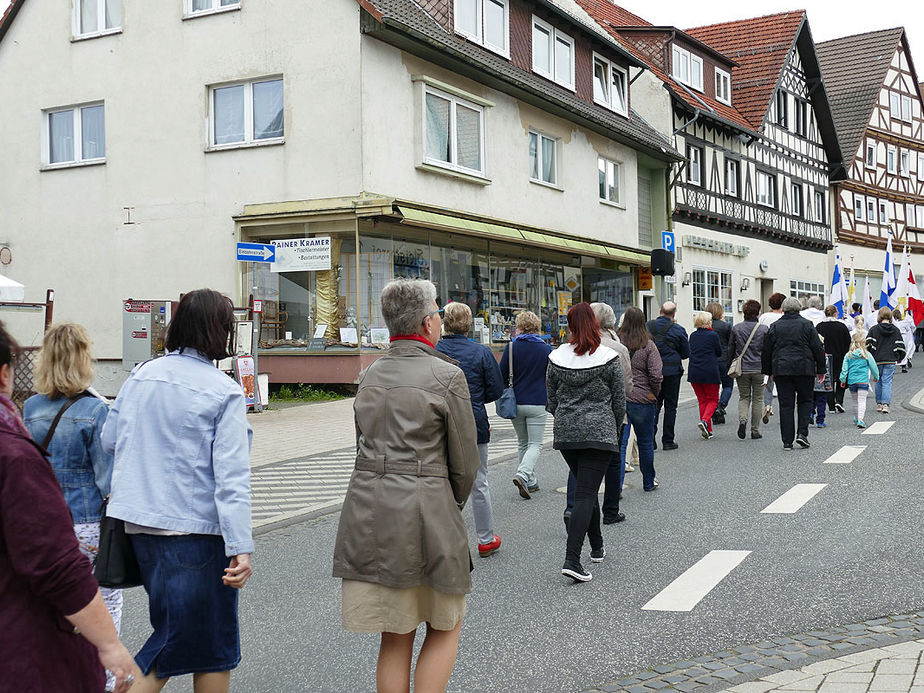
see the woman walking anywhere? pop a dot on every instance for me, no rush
(485, 384)
(836, 337)
(530, 361)
(794, 356)
(885, 343)
(859, 367)
(703, 372)
(723, 330)
(587, 398)
(906, 327)
(402, 548)
(642, 400)
(179, 433)
(55, 631)
(83, 469)
(747, 343)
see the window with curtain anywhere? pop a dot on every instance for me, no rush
(453, 132)
(819, 206)
(797, 207)
(93, 17)
(731, 177)
(553, 53)
(485, 22)
(723, 86)
(543, 167)
(766, 189)
(608, 175)
(712, 286)
(193, 7)
(686, 67)
(75, 135)
(695, 165)
(252, 112)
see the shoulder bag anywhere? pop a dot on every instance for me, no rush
(116, 565)
(734, 370)
(506, 404)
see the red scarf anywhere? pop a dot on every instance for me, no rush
(415, 338)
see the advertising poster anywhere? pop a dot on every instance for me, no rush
(245, 374)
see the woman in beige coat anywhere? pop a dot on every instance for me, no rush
(402, 547)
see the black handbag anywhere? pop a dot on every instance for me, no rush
(116, 565)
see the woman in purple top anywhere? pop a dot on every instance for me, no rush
(47, 590)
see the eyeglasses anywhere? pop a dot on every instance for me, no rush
(439, 312)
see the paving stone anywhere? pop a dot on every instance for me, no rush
(819, 651)
(685, 664)
(891, 682)
(825, 666)
(818, 633)
(625, 683)
(663, 669)
(876, 622)
(645, 675)
(688, 686)
(865, 667)
(611, 688)
(750, 657)
(733, 661)
(791, 648)
(676, 678)
(842, 688)
(813, 642)
(701, 660)
(696, 671)
(714, 666)
(865, 656)
(723, 655)
(746, 648)
(849, 677)
(726, 674)
(637, 689)
(708, 680)
(656, 685)
(897, 666)
(841, 646)
(855, 626)
(902, 624)
(809, 684)
(832, 637)
(775, 662)
(784, 641)
(796, 656)
(750, 668)
(753, 687)
(786, 677)
(765, 645)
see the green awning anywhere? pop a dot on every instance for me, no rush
(572, 245)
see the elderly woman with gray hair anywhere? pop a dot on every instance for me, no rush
(402, 548)
(794, 356)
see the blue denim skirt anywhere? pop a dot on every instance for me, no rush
(194, 615)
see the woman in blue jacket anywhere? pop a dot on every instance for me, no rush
(704, 371)
(485, 385)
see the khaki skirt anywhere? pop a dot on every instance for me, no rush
(368, 607)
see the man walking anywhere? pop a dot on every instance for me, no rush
(674, 347)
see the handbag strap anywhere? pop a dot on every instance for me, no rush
(750, 337)
(54, 424)
(510, 362)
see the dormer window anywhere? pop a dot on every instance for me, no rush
(610, 85)
(687, 68)
(723, 86)
(485, 22)
(553, 54)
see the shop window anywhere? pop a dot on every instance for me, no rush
(614, 286)
(712, 286)
(803, 290)
(460, 273)
(513, 289)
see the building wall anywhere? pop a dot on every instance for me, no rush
(153, 78)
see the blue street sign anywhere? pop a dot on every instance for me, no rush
(256, 252)
(667, 240)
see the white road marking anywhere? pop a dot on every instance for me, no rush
(878, 428)
(688, 590)
(846, 454)
(794, 498)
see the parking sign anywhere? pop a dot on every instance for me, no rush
(667, 240)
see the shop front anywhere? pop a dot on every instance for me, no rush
(325, 325)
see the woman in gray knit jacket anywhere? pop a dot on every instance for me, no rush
(587, 397)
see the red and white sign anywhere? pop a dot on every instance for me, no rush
(139, 334)
(257, 306)
(137, 306)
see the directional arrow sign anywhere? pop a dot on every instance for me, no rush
(256, 252)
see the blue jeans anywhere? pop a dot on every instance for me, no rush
(820, 407)
(728, 386)
(884, 386)
(642, 418)
(530, 427)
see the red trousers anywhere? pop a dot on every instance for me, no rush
(708, 396)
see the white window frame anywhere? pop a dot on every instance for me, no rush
(611, 168)
(724, 281)
(555, 36)
(919, 216)
(895, 105)
(101, 19)
(799, 288)
(607, 100)
(481, 36)
(782, 108)
(700, 151)
(871, 147)
(904, 163)
(872, 214)
(768, 200)
(905, 112)
(883, 213)
(554, 142)
(216, 8)
(454, 101)
(248, 140)
(800, 119)
(796, 192)
(682, 62)
(78, 159)
(891, 159)
(859, 207)
(729, 164)
(819, 206)
(722, 86)
(921, 166)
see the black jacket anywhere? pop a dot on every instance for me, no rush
(885, 343)
(792, 347)
(705, 352)
(836, 336)
(723, 329)
(673, 345)
(485, 382)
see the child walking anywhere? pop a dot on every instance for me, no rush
(824, 385)
(859, 365)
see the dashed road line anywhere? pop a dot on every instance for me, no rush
(878, 428)
(846, 454)
(696, 582)
(793, 499)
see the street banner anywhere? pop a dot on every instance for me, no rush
(839, 296)
(867, 300)
(887, 296)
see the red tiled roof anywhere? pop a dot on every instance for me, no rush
(7, 18)
(761, 46)
(611, 17)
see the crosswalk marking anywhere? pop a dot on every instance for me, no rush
(878, 428)
(688, 590)
(793, 499)
(846, 454)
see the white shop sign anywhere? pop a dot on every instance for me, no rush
(302, 254)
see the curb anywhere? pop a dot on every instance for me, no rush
(915, 403)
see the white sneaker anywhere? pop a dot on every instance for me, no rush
(629, 467)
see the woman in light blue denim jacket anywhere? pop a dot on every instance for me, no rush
(83, 468)
(181, 483)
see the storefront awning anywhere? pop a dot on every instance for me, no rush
(448, 222)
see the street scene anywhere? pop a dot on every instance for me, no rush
(461, 345)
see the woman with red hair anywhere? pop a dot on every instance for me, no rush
(587, 397)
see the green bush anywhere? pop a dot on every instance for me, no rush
(304, 393)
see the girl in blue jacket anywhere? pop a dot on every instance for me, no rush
(858, 366)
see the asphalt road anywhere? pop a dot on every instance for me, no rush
(851, 553)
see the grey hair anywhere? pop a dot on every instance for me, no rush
(791, 305)
(406, 303)
(815, 302)
(606, 316)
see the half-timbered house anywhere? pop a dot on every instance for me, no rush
(876, 100)
(751, 213)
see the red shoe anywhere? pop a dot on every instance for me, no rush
(485, 550)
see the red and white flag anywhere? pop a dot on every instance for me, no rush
(915, 305)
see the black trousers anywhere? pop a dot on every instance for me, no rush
(836, 396)
(667, 399)
(588, 466)
(796, 395)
